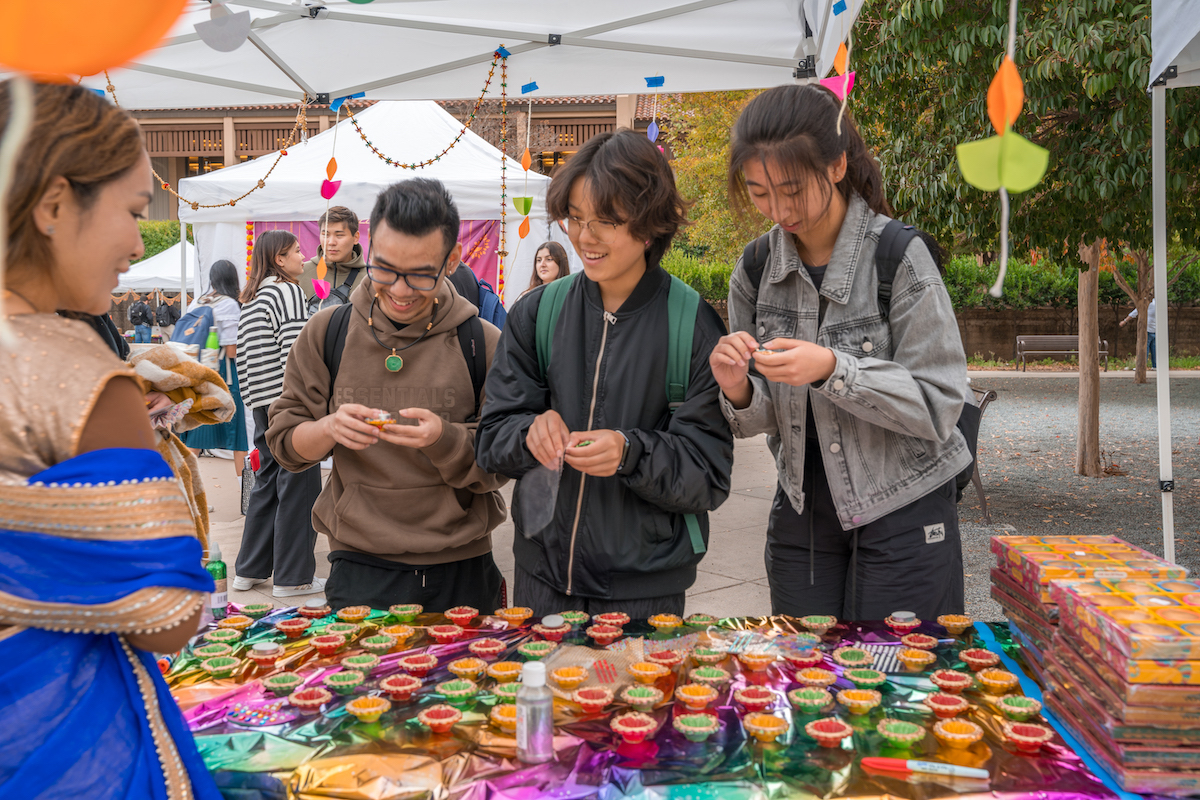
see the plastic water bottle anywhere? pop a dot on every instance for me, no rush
(212, 349)
(219, 599)
(535, 715)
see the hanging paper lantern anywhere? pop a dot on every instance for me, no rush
(321, 289)
(526, 160)
(523, 230)
(840, 85)
(839, 60)
(1006, 159)
(523, 205)
(321, 268)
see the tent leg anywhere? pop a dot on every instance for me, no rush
(182, 267)
(1162, 348)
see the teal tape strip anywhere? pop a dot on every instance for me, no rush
(1031, 689)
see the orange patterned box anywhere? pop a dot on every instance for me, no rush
(1035, 561)
(1145, 621)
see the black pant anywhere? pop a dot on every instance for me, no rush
(279, 538)
(358, 579)
(544, 599)
(910, 560)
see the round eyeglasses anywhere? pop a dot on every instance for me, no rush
(603, 231)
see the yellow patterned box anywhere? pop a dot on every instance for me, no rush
(1146, 621)
(1035, 561)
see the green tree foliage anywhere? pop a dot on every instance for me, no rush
(159, 235)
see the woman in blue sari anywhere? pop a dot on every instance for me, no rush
(99, 563)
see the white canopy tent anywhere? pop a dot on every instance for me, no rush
(161, 271)
(1175, 44)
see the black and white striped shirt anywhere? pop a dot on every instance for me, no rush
(267, 329)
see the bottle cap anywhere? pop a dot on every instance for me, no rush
(533, 674)
(315, 603)
(214, 551)
(903, 616)
(553, 621)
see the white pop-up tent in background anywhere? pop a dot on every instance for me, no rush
(160, 271)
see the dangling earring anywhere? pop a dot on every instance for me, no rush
(647, 243)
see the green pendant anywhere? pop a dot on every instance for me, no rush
(394, 363)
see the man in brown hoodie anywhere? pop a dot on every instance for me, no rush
(408, 513)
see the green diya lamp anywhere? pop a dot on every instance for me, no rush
(223, 636)
(576, 619)
(458, 692)
(536, 651)
(818, 623)
(213, 650)
(900, 734)
(708, 655)
(380, 644)
(347, 629)
(863, 678)
(700, 620)
(851, 657)
(344, 682)
(282, 684)
(362, 662)
(258, 610)
(642, 698)
(710, 676)
(220, 667)
(696, 727)
(405, 612)
(810, 699)
(506, 692)
(1018, 707)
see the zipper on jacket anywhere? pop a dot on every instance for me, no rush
(609, 319)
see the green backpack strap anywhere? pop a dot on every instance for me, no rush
(683, 302)
(549, 307)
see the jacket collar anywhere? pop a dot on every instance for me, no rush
(642, 294)
(839, 276)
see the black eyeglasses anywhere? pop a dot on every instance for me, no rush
(419, 281)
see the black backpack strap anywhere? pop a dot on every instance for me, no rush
(474, 349)
(754, 259)
(335, 341)
(893, 241)
(350, 278)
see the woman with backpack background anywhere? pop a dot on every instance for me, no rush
(859, 396)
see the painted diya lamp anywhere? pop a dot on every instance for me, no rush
(828, 731)
(1028, 737)
(283, 684)
(223, 636)
(487, 649)
(667, 658)
(440, 718)
(504, 671)
(569, 678)
(576, 619)
(258, 610)
(265, 654)
(406, 612)
(810, 699)
(756, 662)
(361, 662)
(418, 664)
(310, 700)
(347, 629)
(642, 698)
(647, 672)
(313, 609)
(700, 620)
(445, 634)
(696, 696)
(469, 669)
(293, 627)
(220, 667)
(804, 658)
(1018, 707)
(915, 660)
(515, 616)
(617, 619)
(946, 706)
(536, 651)
(820, 678)
(504, 717)
(919, 641)
(354, 613)
(461, 615)
(665, 623)
(900, 734)
(380, 644)
(951, 681)
(213, 650)
(765, 727)
(859, 701)
(818, 623)
(552, 633)
(851, 657)
(401, 633)
(955, 624)
(633, 727)
(368, 708)
(976, 658)
(708, 655)
(958, 734)
(344, 682)
(604, 635)
(696, 727)
(458, 692)
(383, 419)
(236, 622)
(902, 622)
(865, 678)
(997, 681)
(327, 643)
(593, 699)
(754, 698)
(712, 676)
(506, 692)
(400, 687)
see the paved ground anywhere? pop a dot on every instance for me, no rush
(1027, 447)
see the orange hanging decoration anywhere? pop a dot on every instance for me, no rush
(526, 160)
(839, 60)
(331, 168)
(321, 269)
(1005, 97)
(523, 230)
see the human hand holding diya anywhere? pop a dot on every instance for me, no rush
(596, 453)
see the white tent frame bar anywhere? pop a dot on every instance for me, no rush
(282, 65)
(1162, 350)
(229, 84)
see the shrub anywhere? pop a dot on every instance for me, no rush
(711, 279)
(159, 235)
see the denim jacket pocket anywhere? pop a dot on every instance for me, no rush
(775, 324)
(866, 339)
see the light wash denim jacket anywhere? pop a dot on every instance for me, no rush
(886, 416)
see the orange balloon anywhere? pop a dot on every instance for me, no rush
(81, 37)
(1006, 96)
(839, 61)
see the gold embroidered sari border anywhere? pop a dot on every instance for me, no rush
(178, 782)
(146, 510)
(147, 610)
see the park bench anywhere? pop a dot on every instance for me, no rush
(1054, 346)
(982, 398)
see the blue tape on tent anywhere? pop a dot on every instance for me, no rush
(503, 53)
(337, 104)
(529, 87)
(654, 83)
(839, 7)
(1031, 689)
(101, 92)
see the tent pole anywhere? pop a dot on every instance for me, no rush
(1162, 346)
(182, 267)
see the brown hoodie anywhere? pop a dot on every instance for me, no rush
(416, 506)
(336, 273)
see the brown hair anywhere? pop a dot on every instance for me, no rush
(796, 128)
(77, 135)
(339, 214)
(559, 254)
(270, 245)
(631, 183)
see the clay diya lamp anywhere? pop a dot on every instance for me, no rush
(802, 659)
(344, 682)
(405, 612)
(810, 699)
(504, 717)
(695, 696)
(515, 616)
(633, 727)
(283, 684)
(700, 620)
(754, 698)
(347, 629)
(851, 657)
(236, 622)
(223, 636)
(552, 633)
(327, 643)
(756, 662)
(828, 731)
(818, 623)
(293, 627)
(951, 681)
(265, 654)
(258, 610)
(1028, 737)
(712, 676)
(859, 701)
(902, 622)
(380, 644)
(313, 609)
(310, 700)
(1018, 707)
(445, 634)
(418, 664)
(668, 658)
(458, 692)
(440, 718)
(976, 658)
(665, 623)
(919, 641)
(368, 709)
(213, 650)
(617, 619)
(765, 727)
(506, 692)
(997, 681)
(469, 669)
(958, 734)
(220, 666)
(820, 678)
(708, 655)
(536, 651)
(642, 698)
(865, 678)
(900, 734)
(696, 727)
(361, 662)
(593, 699)
(946, 706)
(576, 619)
(487, 649)
(400, 687)
(462, 615)
(915, 660)
(955, 624)
(604, 635)
(354, 613)
(401, 633)
(569, 678)
(647, 672)
(504, 671)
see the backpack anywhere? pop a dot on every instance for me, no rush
(480, 293)
(683, 302)
(166, 315)
(893, 242)
(193, 327)
(339, 296)
(139, 313)
(470, 339)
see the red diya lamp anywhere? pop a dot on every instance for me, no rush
(462, 615)
(445, 634)
(440, 718)
(313, 609)
(487, 649)
(754, 698)
(400, 687)
(327, 644)
(265, 654)
(617, 619)
(951, 681)
(310, 700)
(977, 658)
(604, 635)
(593, 699)
(803, 659)
(945, 706)
(902, 622)
(919, 641)
(552, 633)
(633, 727)
(668, 658)
(293, 627)
(1028, 737)
(418, 664)
(828, 731)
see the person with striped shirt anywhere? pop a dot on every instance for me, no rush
(278, 537)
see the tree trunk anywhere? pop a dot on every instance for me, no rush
(1087, 444)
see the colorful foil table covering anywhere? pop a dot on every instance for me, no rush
(330, 754)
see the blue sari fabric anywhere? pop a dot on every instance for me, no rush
(75, 723)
